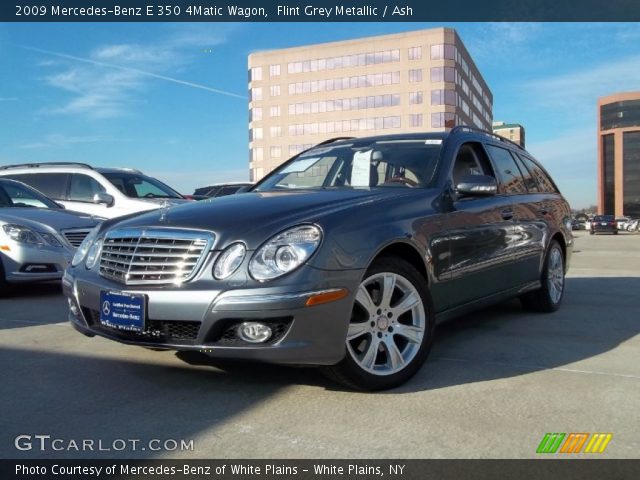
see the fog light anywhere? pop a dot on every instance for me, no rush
(73, 307)
(254, 332)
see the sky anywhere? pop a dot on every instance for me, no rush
(171, 99)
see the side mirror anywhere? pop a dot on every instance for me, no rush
(104, 198)
(477, 186)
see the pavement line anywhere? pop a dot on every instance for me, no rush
(540, 367)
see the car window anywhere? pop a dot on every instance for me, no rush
(544, 182)
(83, 188)
(53, 185)
(16, 195)
(382, 163)
(507, 170)
(229, 190)
(470, 160)
(527, 176)
(135, 185)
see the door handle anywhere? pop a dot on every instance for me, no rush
(507, 214)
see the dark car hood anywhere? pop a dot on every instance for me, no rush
(256, 214)
(56, 218)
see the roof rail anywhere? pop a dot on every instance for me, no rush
(45, 164)
(331, 140)
(465, 128)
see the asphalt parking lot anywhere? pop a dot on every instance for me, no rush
(495, 383)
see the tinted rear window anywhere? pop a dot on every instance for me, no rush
(507, 170)
(53, 185)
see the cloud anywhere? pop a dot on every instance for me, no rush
(59, 140)
(110, 78)
(578, 91)
(570, 158)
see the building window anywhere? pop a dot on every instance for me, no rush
(443, 97)
(631, 173)
(274, 90)
(415, 98)
(443, 119)
(275, 152)
(256, 94)
(256, 113)
(257, 154)
(415, 120)
(443, 52)
(256, 74)
(415, 75)
(443, 74)
(274, 111)
(415, 53)
(274, 70)
(255, 133)
(391, 122)
(275, 132)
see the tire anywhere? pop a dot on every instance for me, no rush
(616, 232)
(4, 286)
(549, 297)
(390, 330)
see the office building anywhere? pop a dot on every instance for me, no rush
(406, 82)
(510, 131)
(619, 154)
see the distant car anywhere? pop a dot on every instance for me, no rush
(38, 237)
(621, 222)
(576, 225)
(219, 190)
(603, 224)
(106, 192)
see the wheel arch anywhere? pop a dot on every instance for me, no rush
(405, 251)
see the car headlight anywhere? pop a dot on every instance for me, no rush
(22, 234)
(285, 252)
(229, 261)
(84, 247)
(93, 254)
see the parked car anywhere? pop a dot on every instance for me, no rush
(219, 190)
(106, 192)
(603, 223)
(621, 222)
(345, 256)
(37, 236)
(577, 225)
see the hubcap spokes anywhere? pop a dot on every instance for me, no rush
(388, 324)
(555, 275)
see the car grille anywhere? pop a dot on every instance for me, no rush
(76, 236)
(155, 330)
(158, 256)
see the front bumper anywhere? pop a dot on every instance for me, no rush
(26, 263)
(206, 319)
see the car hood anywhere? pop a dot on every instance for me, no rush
(56, 219)
(255, 215)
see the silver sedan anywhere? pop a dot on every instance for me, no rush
(38, 237)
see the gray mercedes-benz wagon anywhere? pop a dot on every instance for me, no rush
(344, 257)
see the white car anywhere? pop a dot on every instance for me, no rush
(37, 236)
(105, 192)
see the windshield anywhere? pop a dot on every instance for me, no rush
(603, 218)
(389, 163)
(135, 185)
(14, 194)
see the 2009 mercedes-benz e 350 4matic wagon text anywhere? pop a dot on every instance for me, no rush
(344, 257)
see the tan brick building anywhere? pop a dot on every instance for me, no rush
(406, 82)
(510, 131)
(619, 154)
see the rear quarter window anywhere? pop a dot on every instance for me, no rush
(507, 171)
(53, 185)
(545, 183)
